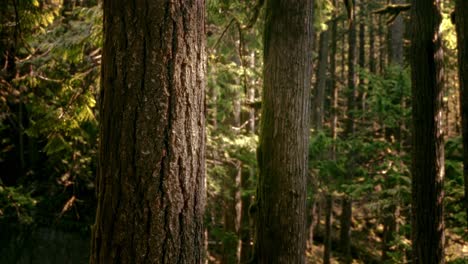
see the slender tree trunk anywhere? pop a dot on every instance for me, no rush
(393, 133)
(343, 54)
(461, 22)
(334, 122)
(328, 229)
(245, 228)
(372, 40)
(318, 113)
(361, 98)
(151, 156)
(284, 136)
(381, 36)
(346, 214)
(321, 81)
(232, 186)
(397, 30)
(427, 139)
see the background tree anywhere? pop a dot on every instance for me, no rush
(282, 154)
(151, 165)
(350, 129)
(461, 24)
(427, 135)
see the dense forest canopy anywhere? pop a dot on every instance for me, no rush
(229, 131)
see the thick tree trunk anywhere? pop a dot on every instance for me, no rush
(461, 21)
(427, 139)
(284, 137)
(151, 156)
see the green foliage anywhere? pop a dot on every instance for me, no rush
(16, 205)
(388, 95)
(56, 91)
(453, 187)
(323, 10)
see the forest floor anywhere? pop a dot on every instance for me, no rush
(366, 244)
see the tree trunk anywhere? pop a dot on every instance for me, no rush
(350, 126)
(284, 136)
(381, 36)
(361, 98)
(321, 81)
(334, 122)
(461, 18)
(372, 40)
(393, 133)
(343, 54)
(232, 185)
(427, 139)
(396, 41)
(246, 226)
(327, 242)
(151, 156)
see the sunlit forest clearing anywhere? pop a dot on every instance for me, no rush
(230, 131)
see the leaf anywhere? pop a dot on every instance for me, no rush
(56, 144)
(68, 205)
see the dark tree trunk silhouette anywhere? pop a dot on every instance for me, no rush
(151, 157)
(284, 136)
(461, 23)
(350, 127)
(427, 138)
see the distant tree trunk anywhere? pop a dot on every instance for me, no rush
(350, 126)
(151, 157)
(284, 136)
(393, 133)
(318, 113)
(343, 54)
(361, 98)
(427, 169)
(334, 122)
(328, 229)
(321, 81)
(372, 57)
(461, 18)
(232, 185)
(397, 30)
(372, 40)
(381, 36)
(245, 228)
